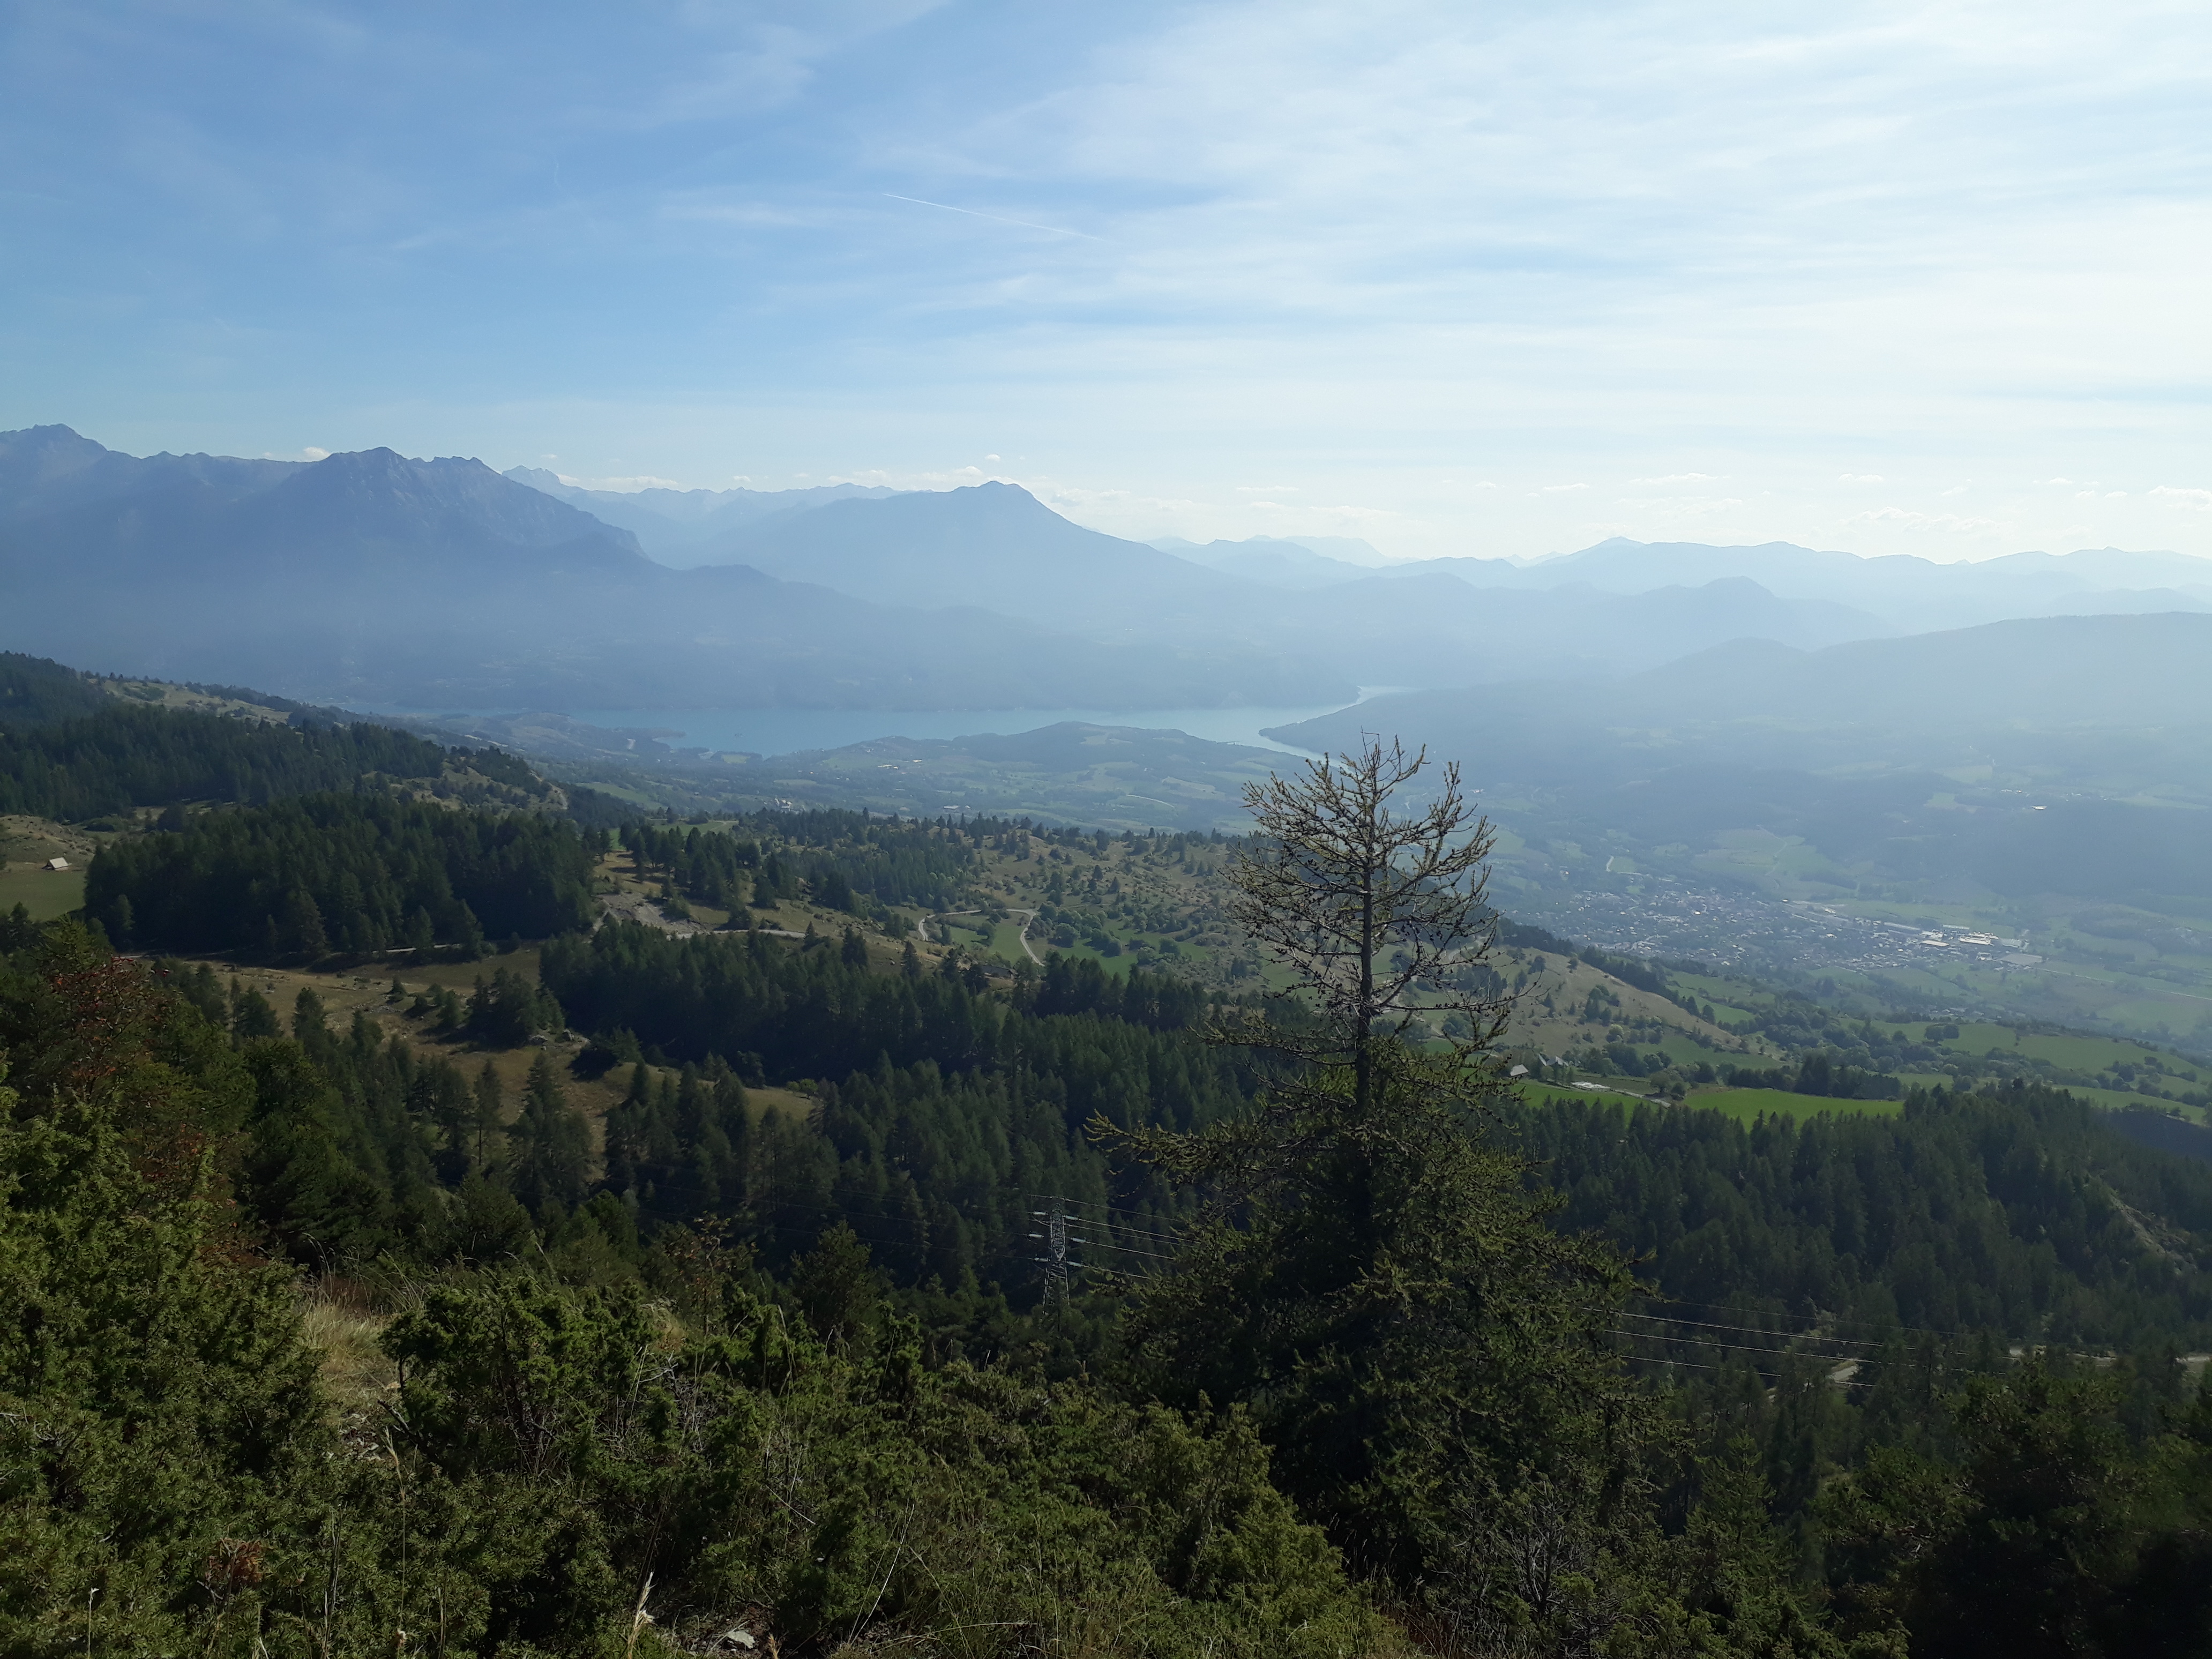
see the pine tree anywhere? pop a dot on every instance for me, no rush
(487, 1114)
(303, 925)
(472, 936)
(251, 1016)
(1369, 1274)
(439, 1096)
(836, 1288)
(549, 1145)
(629, 1132)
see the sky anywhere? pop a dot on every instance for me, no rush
(1458, 278)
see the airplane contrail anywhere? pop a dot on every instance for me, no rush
(1000, 218)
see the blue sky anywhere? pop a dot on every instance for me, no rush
(1458, 278)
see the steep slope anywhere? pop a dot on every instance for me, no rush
(331, 574)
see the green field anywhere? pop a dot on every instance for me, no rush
(1748, 1105)
(44, 894)
(1721, 993)
(2073, 1052)
(1551, 1094)
(2115, 1100)
(1744, 1105)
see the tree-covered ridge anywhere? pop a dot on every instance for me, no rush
(354, 872)
(35, 690)
(126, 756)
(72, 747)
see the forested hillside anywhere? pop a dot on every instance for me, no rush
(348, 873)
(123, 757)
(35, 690)
(70, 750)
(744, 1305)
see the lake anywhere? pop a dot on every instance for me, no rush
(781, 731)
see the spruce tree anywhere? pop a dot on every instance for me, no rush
(549, 1145)
(251, 1016)
(487, 1114)
(303, 925)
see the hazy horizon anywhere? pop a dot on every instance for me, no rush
(1353, 550)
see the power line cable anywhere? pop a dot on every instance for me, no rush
(1863, 1324)
(1755, 1330)
(1662, 1360)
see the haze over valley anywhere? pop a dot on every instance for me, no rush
(2018, 744)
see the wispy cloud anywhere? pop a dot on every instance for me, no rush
(996, 218)
(1664, 508)
(1906, 519)
(1387, 253)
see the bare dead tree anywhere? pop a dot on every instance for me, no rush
(1375, 913)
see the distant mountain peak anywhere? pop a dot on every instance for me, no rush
(52, 451)
(380, 495)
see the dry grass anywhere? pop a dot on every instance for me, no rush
(338, 1322)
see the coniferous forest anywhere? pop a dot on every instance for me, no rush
(68, 752)
(1362, 1353)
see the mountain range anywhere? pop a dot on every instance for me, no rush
(1898, 592)
(372, 578)
(681, 528)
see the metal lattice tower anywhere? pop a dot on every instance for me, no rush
(1056, 1220)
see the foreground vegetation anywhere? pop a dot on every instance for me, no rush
(722, 1323)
